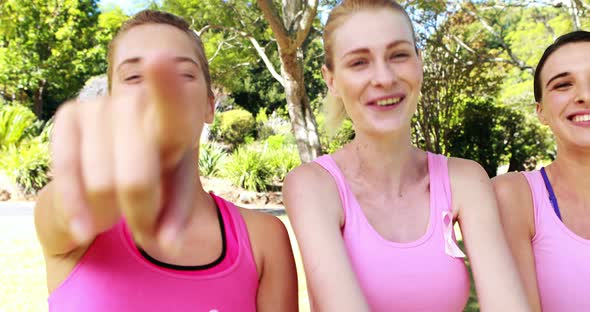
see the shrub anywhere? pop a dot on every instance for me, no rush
(211, 158)
(263, 129)
(345, 134)
(279, 124)
(275, 142)
(27, 165)
(281, 161)
(24, 147)
(247, 168)
(235, 126)
(15, 124)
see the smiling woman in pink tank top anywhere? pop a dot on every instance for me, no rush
(126, 224)
(374, 220)
(546, 212)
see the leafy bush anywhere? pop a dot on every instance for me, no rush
(331, 144)
(235, 126)
(211, 158)
(24, 147)
(27, 164)
(15, 124)
(280, 124)
(275, 142)
(247, 168)
(263, 130)
(492, 134)
(281, 161)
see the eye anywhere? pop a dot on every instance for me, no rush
(562, 85)
(358, 63)
(188, 76)
(399, 55)
(132, 78)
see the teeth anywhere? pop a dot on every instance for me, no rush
(580, 118)
(389, 101)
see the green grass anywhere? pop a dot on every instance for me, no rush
(22, 270)
(22, 273)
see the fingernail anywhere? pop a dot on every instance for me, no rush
(79, 231)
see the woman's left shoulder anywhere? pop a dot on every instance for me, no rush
(463, 170)
(261, 223)
(470, 184)
(268, 234)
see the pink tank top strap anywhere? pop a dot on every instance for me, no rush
(440, 183)
(241, 237)
(538, 193)
(328, 163)
(442, 198)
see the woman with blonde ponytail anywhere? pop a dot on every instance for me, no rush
(374, 220)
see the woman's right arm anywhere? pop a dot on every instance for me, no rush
(516, 211)
(52, 227)
(315, 211)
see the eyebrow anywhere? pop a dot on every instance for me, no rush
(389, 46)
(556, 77)
(177, 59)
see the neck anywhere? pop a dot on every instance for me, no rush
(572, 169)
(391, 162)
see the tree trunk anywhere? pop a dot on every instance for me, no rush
(38, 100)
(515, 165)
(290, 33)
(574, 11)
(302, 119)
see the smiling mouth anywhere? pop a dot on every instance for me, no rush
(580, 118)
(388, 101)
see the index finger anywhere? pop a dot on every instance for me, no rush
(66, 161)
(167, 109)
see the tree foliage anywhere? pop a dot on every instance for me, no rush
(49, 48)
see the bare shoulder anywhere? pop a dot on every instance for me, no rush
(470, 184)
(262, 224)
(308, 176)
(466, 171)
(515, 200)
(269, 238)
(310, 187)
(512, 188)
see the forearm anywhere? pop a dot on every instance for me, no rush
(498, 283)
(52, 227)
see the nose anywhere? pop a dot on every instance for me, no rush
(384, 75)
(583, 93)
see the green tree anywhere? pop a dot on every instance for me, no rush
(456, 68)
(279, 36)
(47, 50)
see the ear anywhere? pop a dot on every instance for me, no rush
(540, 113)
(210, 113)
(329, 79)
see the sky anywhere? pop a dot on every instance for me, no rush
(128, 6)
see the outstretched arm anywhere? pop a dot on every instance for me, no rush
(315, 211)
(516, 210)
(277, 290)
(497, 281)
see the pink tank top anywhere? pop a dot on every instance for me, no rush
(416, 276)
(561, 257)
(114, 276)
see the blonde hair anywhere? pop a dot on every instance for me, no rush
(333, 107)
(158, 17)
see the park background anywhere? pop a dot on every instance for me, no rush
(477, 99)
